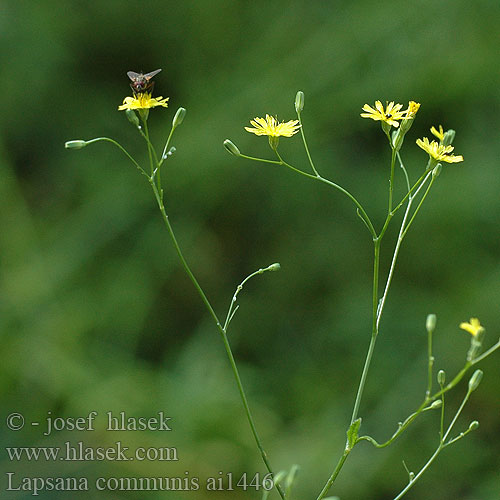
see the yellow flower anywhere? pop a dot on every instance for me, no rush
(474, 327)
(389, 115)
(438, 133)
(272, 127)
(439, 152)
(413, 107)
(143, 101)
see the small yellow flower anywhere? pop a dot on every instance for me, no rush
(473, 327)
(389, 115)
(272, 127)
(143, 101)
(438, 133)
(439, 152)
(413, 107)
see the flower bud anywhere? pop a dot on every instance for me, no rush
(397, 139)
(430, 323)
(299, 101)
(274, 267)
(132, 117)
(437, 170)
(475, 380)
(78, 144)
(473, 425)
(179, 117)
(476, 343)
(231, 147)
(449, 137)
(436, 404)
(441, 377)
(407, 122)
(170, 152)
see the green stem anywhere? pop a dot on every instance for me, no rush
(153, 159)
(442, 445)
(373, 339)
(391, 180)
(306, 147)
(164, 153)
(485, 354)
(402, 233)
(410, 192)
(150, 146)
(378, 306)
(119, 146)
(421, 201)
(430, 363)
(424, 468)
(334, 474)
(317, 177)
(219, 327)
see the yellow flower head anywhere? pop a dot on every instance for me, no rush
(389, 115)
(438, 133)
(413, 107)
(272, 127)
(474, 327)
(143, 101)
(439, 152)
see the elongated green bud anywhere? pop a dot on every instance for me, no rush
(274, 267)
(132, 117)
(78, 144)
(299, 101)
(473, 425)
(441, 376)
(436, 404)
(437, 170)
(475, 380)
(449, 137)
(430, 323)
(179, 117)
(231, 147)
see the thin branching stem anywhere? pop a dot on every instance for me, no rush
(220, 329)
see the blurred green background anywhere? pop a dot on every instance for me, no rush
(96, 313)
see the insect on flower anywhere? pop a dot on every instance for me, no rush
(141, 82)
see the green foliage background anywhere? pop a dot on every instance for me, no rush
(95, 312)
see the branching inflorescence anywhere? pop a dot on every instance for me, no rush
(395, 122)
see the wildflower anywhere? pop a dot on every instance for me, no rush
(272, 128)
(438, 133)
(413, 107)
(473, 327)
(398, 135)
(439, 152)
(389, 115)
(143, 101)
